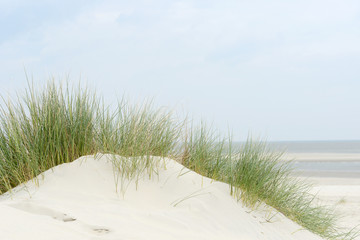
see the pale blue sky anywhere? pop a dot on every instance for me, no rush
(285, 70)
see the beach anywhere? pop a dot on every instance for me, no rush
(344, 194)
(336, 181)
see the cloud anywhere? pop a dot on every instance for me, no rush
(256, 57)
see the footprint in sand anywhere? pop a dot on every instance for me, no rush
(100, 230)
(40, 210)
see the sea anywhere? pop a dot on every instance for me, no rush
(317, 146)
(330, 158)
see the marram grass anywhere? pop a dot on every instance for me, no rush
(256, 175)
(259, 174)
(42, 129)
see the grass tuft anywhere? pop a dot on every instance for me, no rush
(257, 175)
(42, 130)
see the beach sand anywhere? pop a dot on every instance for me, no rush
(334, 188)
(344, 194)
(80, 200)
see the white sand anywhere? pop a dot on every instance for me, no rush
(344, 194)
(79, 201)
(339, 189)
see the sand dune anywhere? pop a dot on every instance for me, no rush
(80, 200)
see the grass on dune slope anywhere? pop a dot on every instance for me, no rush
(257, 175)
(42, 129)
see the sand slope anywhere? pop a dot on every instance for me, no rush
(79, 201)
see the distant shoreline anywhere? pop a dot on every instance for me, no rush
(313, 147)
(327, 174)
(321, 157)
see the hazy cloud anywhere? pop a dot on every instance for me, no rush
(285, 69)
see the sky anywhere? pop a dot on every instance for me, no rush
(280, 70)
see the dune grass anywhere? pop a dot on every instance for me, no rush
(257, 175)
(204, 151)
(138, 130)
(42, 129)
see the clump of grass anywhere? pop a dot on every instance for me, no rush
(204, 151)
(257, 175)
(142, 130)
(43, 130)
(132, 169)
(137, 132)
